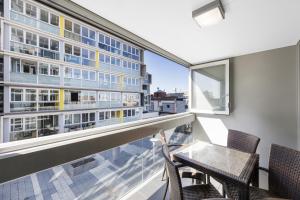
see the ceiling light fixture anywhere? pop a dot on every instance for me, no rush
(209, 14)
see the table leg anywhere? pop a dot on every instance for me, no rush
(255, 178)
(244, 193)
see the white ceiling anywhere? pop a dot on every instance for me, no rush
(249, 25)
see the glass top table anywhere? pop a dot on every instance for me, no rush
(223, 163)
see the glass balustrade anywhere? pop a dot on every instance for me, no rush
(49, 54)
(29, 21)
(89, 84)
(23, 77)
(72, 36)
(107, 175)
(23, 48)
(72, 59)
(72, 82)
(88, 62)
(49, 80)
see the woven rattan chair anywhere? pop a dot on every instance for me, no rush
(200, 177)
(177, 192)
(242, 141)
(284, 176)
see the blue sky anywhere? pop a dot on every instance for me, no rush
(166, 75)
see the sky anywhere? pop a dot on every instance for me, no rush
(166, 75)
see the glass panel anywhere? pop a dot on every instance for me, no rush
(30, 10)
(44, 16)
(44, 42)
(209, 88)
(17, 5)
(54, 20)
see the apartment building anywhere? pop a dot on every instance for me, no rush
(58, 74)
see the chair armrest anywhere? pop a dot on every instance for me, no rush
(175, 145)
(263, 169)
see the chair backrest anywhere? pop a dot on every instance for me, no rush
(242, 141)
(163, 138)
(173, 174)
(284, 172)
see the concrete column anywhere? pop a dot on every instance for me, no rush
(61, 123)
(6, 8)
(6, 37)
(6, 70)
(61, 75)
(6, 104)
(6, 129)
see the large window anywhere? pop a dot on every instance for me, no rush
(17, 5)
(210, 88)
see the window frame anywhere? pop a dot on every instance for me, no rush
(227, 87)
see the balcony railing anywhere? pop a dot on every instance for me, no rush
(34, 22)
(118, 159)
(72, 59)
(80, 105)
(72, 36)
(23, 48)
(49, 54)
(49, 80)
(23, 77)
(88, 62)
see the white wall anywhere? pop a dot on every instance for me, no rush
(264, 96)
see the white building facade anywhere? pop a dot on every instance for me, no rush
(60, 74)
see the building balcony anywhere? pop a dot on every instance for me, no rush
(114, 166)
(23, 78)
(88, 62)
(72, 36)
(116, 104)
(72, 59)
(80, 105)
(20, 107)
(48, 80)
(23, 19)
(105, 67)
(23, 48)
(89, 84)
(45, 53)
(132, 88)
(88, 41)
(72, 82)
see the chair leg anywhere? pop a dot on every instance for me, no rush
(166, 188)
(164, 173)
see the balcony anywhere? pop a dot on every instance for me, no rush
(72, 82)
(45, 53)
(73, 59)
(72, 36)
(23, 48)
(23, 78)
(80, 105)
(118, 166)
(88, 62)
(132, 88)
(254, 90)
(49, 80)
(23, 19)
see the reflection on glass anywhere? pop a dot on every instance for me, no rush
(107, 175)
(209, 88)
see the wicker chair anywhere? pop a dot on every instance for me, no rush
(200, 177)
(242, 141)
(177, 192)
(284, 176)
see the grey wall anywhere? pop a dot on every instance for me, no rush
(264, 100)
